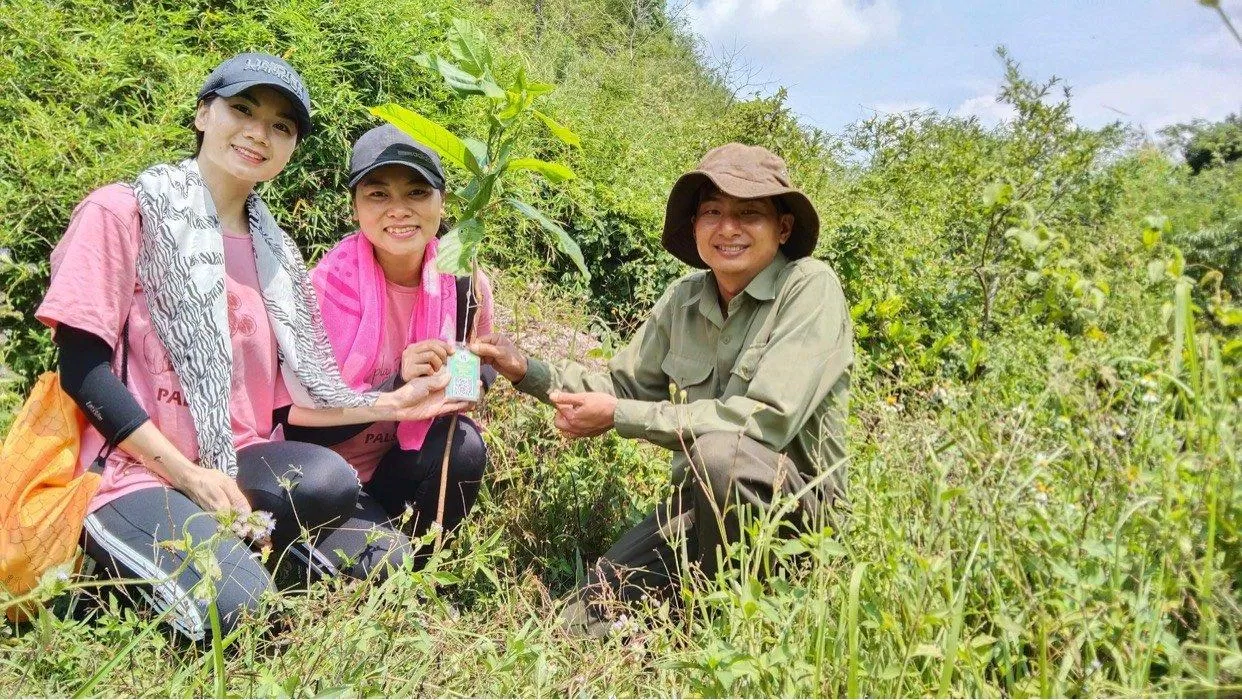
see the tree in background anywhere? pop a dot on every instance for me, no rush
(1207, 144)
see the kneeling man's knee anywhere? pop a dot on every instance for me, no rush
(716, 459)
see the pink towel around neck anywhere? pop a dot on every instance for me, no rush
(352, 297)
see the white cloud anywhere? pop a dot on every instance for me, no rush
(1151, 99)
(793, 29)
(1159, 98)
(985, 108)
(1220, 45)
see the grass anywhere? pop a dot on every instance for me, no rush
(1076, 540)
(1055, 510)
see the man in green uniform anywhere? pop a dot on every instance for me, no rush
(742, 370)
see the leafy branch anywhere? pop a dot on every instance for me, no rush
(470, 72)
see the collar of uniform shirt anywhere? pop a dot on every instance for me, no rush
(761, 288)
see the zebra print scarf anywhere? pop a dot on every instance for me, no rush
(181, 268)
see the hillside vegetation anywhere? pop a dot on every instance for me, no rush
(1045, 488)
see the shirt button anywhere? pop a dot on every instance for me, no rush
(727, 339)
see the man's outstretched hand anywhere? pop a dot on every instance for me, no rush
(583, 415)
(500, 352)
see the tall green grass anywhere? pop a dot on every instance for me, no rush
(1081, 540)
(1049, 505)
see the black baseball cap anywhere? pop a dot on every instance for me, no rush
(246, 70)
(388, 145)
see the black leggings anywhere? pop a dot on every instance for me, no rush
(304, 486)
(311, 491)
(408, 478)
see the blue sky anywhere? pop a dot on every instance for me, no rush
(1147, 62)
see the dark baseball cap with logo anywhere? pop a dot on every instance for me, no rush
(247, 70)
(388, 145)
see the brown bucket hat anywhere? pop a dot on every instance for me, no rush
(746, 172)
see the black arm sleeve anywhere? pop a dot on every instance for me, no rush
(85, 368)
(326, 436)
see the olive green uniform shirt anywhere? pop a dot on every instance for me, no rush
(777, 368)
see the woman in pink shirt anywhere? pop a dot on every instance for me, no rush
(185, 319)
(393, 318)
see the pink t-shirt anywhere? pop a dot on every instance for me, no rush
(365, 450)
(95, 288)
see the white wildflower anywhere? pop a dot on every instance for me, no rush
(620, 624)
(257, 525)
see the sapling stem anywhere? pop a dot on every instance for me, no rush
(469, 333)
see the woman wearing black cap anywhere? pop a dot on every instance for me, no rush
(392, 318)
(185, 318)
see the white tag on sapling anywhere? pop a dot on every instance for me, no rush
(464, 370)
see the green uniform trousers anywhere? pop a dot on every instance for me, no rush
(731, 478)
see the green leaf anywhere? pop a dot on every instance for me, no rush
(488, 84)
(532, 89)
(982, 641)
(446, 578)
(512, 107)
(790, 548)
(930, 651)
(458, 79)
(536, 89)
(1151, 236)
(1178, 264)
(469, 46)
(458, 247)
(1027, 239)
(555, 172)
(343, 691)
(563, 241)
(560, 132)
(997, 194)
(1157, 222)
(478, 149)
(479, 192)
(441, 140)
(863, 306)
(502, 153)
(890, 307)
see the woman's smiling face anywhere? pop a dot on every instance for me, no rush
(249, 136)
(398, 212)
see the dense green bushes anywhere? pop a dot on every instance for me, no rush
(103, 90)
(1045, 481)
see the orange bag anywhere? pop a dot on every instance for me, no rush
(43, 498)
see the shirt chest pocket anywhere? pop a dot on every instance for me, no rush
(747, 362)
(690, 375)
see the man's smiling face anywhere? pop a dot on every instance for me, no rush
(738, 238)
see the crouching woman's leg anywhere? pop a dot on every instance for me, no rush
(127, 537)
(369, 544)
(308, 489)
(412, 477)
